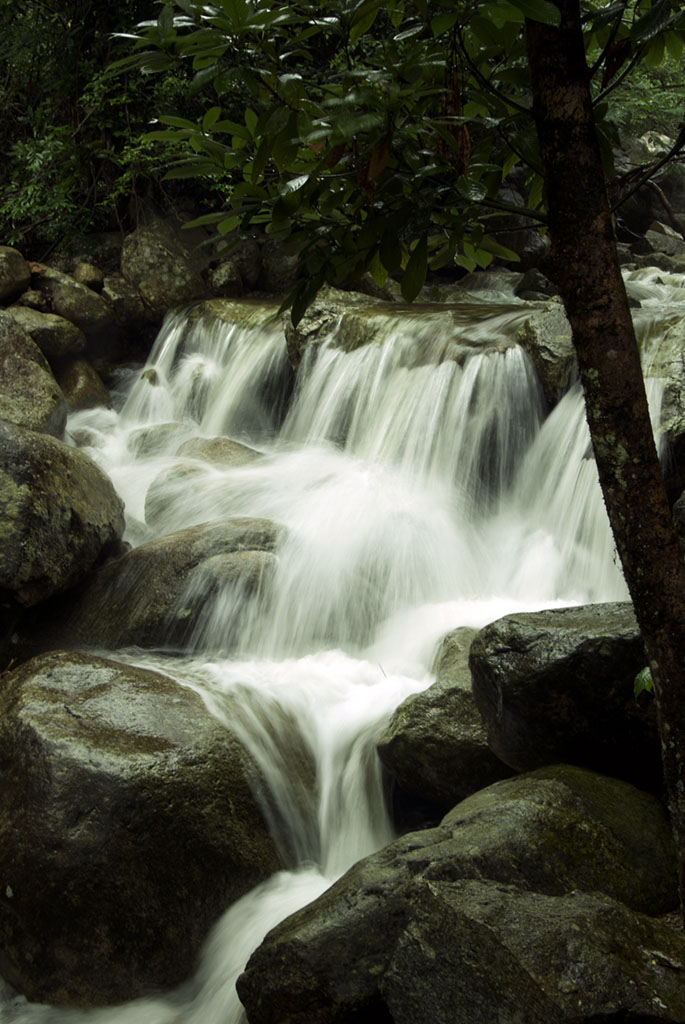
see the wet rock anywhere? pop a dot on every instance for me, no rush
(446, 925)
(81, 385)
(157, 262)
(29, 394)
(89, 275)
(160, 438)
(15, 275)
(58, 511)
(33, 299)
(56, 337)
(558, 685)
(159, 594)
(666, 241)
(73, 301)
(101, 249)
(225, 280)
(333, 311)
(127, 825)
(129, 309)
(546, 337)
(668, 365)
(170, 500)
(220, 451)
(435, 746)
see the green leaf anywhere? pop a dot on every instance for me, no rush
(655, 53)
(414, 276)
(362, 24)
(443, 23)
(178, 122)
(675, 45)
(228, 224)
(539, 10)
(643, 682)
(491, 246)
(378, 271)
(210, 118)
(251, 120)
(657, 18)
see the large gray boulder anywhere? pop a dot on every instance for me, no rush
(59, 514)
(434, 746)
(546, 337)
(81, 384)
(127, 825)
(161, 266)
(558, 685)
(29, 394)
(163, 592)
(75, 302)
(218, 451)
(15, 274)
(56, 337)
(508, 912)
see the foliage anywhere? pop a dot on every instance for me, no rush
(72, 148)
(643, 682)
(376, 136)
(635, 110)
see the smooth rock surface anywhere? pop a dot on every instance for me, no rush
(59, 514)
(75, 302)
(127, 825)
(435, 746)
(558, 686)
(29, 394)
(15, 274)
(160, 594)
(450, 926)
(56, 337)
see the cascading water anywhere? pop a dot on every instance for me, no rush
(420, 486)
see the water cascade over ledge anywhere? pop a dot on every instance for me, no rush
(421, 484)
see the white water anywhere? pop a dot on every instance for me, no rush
(421, 486)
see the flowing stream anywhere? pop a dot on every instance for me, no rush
(422, 486)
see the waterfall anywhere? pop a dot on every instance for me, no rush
(421, 484)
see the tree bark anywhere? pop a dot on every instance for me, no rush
(584, 264)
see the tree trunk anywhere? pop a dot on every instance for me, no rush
(584, 265)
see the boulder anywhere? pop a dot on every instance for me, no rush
(157, 262)
(668, 242)
(15, 275)
(127, 825)
(225, 280)
(558, 685)
(56, 337)
(89, 275)
(59, 513)
(344, 313)
(668, 365)
(447, 926)
(101, 249)
(75, 302)
(159, 438)
(81, 385)
(219, 451)
(127, 305)
(434, 746)
(171, 499)
(160, 594)
(29, 394)
(546, 337)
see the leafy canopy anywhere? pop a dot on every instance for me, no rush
(375, 135)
